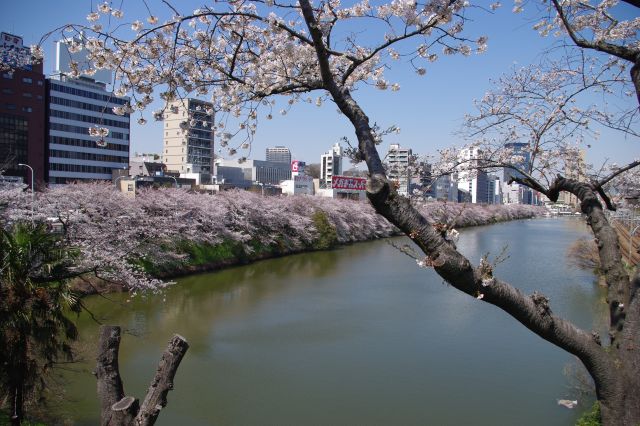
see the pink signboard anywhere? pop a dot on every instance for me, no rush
(348, 182)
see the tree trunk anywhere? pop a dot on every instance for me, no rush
(120, 410)
(162, 383)
(110, 388)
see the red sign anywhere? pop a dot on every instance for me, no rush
(294, 166)
(347, 182)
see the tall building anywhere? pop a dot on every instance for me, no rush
(278, 154)
(445, 188)
(521, 159)
(470, 178)
(188, 138)
(22, 113)
(330, 165)
(576, 170)
(398, 171)
(74, 105)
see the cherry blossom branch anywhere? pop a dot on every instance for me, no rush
(532, 311)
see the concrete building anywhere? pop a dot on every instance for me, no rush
(299, 185)
(398, 171)
(74, 105)
(470, 179)
(494, 190)
(22, 114)
(188, 145)
(445, 188)
(575, 170)
(278, 154)
(522, 160)
(265, 172)
(330, 165)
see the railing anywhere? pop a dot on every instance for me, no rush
(627, 225)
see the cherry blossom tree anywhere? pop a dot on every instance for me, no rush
(245, 53)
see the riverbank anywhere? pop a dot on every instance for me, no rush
(333, 223)
(138, 243)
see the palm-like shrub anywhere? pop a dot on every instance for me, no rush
(35, 333)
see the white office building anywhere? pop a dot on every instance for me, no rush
(278, 154)
(330, 164)
(398, 170)
(470, 178)
(75, 105)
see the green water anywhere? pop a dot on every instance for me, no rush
(354, 336)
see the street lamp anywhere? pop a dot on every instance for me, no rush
(33, 194)
(175, 180)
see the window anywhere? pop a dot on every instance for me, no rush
(40, 82)
(11, 106)
(7, 91)
(27, 109)
(39, 97)
(7, 75)
(27, 95)
(27, 80)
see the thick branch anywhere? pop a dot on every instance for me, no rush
(601, 46)
(110, 389)
(162, 383)
(616, 277)
(606, 179)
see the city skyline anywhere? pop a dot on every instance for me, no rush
(429, 109)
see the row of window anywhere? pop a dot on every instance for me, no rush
(26, 80)
(85, 131)
(89, 119)
(79, 168)
(15, 123)
(14, 107)
(87, 94)
(83, 106)
(88, 156)
(86, 143)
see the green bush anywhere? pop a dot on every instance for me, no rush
(204, 253)
(591, 417)
(327, 235)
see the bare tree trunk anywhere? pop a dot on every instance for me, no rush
(162, 383)
(118, 409)
(110, 389)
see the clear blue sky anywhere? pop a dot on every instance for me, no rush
(428, 109)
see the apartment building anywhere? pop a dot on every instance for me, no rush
(188, 139)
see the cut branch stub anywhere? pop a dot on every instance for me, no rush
(117, 409)
(162, 382)
(124, 411)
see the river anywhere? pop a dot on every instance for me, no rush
(354, 336)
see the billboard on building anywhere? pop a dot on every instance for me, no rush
(348, 182)
(13, 53)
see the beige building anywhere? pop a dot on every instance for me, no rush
(188, 138)
(576, 171)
